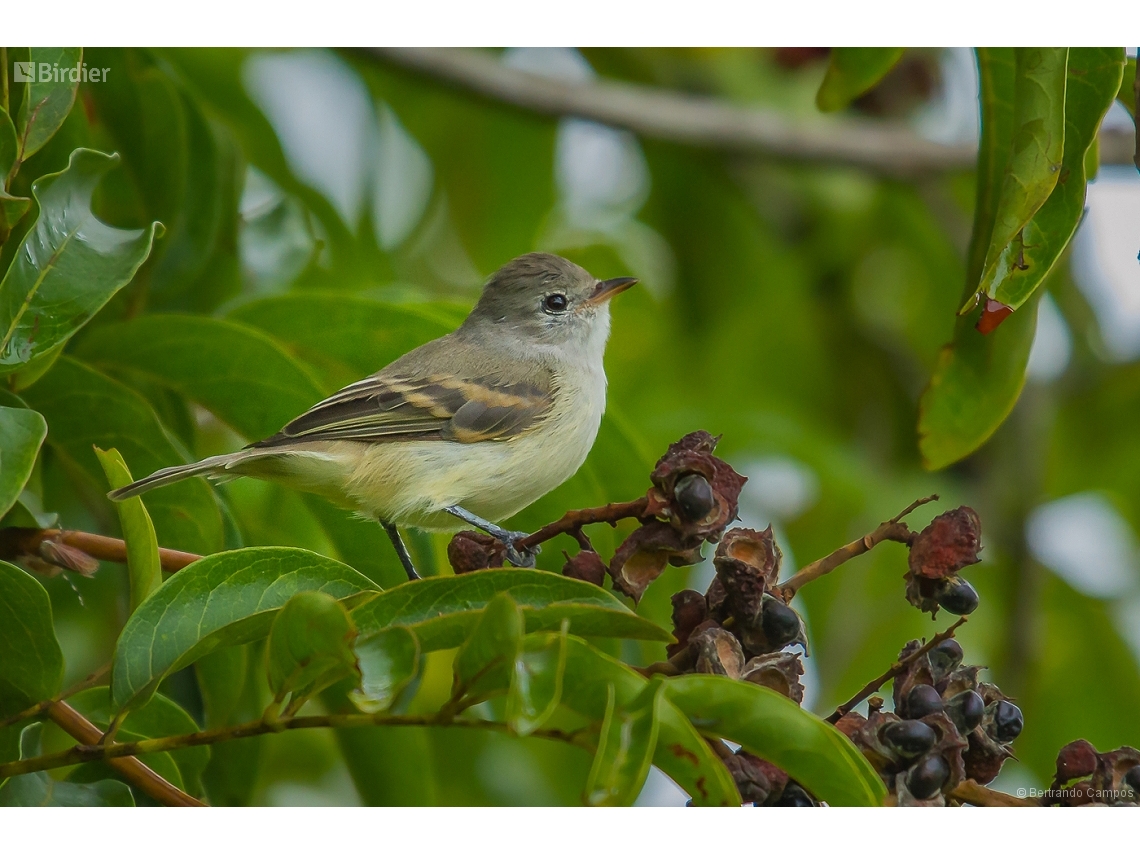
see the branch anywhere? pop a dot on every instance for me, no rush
(572, 521)
(893, 672)
(131, 768)
(652, 112)
(43, 706)
(43, 543)
(893, 529)
(973, 793)
(126, 752)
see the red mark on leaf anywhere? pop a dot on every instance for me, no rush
(683, 753)
(992, 315)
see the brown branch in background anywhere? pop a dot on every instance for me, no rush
(893, 529)
(72, 549)
(572, 521)
(131, 768)
(893, 671)
(653, 112)
(972, 793)
(42, 707)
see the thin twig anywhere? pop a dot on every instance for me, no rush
(893, 529)
(572, 521)
(128, 751)
(42, 707)
(973, 793)
(892, 672)
(881, 147)
(131, 768)
(17, 542)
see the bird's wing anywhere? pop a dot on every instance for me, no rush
(389, 407)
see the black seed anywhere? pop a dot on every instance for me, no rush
(956, 595)
(1131, 780)
(909, 738)
(1008, 721)
(780, 623)
(694, 497)
(966, 710)
(922, 701)
(928, 777)
(794, 796)
(944, 658)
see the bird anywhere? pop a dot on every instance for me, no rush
(469, 428)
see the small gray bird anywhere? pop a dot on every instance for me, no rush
(468, 428)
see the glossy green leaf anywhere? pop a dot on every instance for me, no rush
(389, 661)
(493, 642)
(1093, 79)
(1033, 164)
(238, 373)
(224, 599)
(158, 717)
(22, 433)
(309, 647)
(442, 610)
(143, 563)
(626, 744)
(232, 683)
(1127, 93)
(772, 727)
(9, 146)
(975, 385)
(39, 789)
(47, 102)
(536, 682)
(853, 71)
(84, 407)
(31, 663)
(68, 266)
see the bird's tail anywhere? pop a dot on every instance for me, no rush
(213, 467)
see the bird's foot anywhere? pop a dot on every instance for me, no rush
(519, 556)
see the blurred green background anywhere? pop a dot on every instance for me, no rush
(350, 210)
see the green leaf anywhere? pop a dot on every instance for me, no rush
(31, 663)
(625, 750)
(389, 661)
(69, 264)
(22, 433)
(1126, 95)
(84, 408)
(853, 71)
(772, 727)
(9, 146)
(239, 374)
(493, 641)
(46, 104)
(536, 684)
(1033, 164)
(12, 210)
(233, 691)
(39, 789)
(309, 647)
(224, 599)
(442, 610)
(157, 718)
(143, 563)
(976, 382)
(1093, 78)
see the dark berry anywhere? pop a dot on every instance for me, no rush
(794, 796)
(944, 658)
(956, 595)
(909, 738)
(921, 701)
(1131, 780)
(780, 623)
(928, 777)
(694, 497)
(1008, 721)
(966, 710)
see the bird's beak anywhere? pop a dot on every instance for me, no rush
(608, 288)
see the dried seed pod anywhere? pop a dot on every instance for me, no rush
(951, 541)
(966, 710)
(756, 779)
(718, 652)
(795, 796)
(1131, 781)
(927, 777)
(588, 566)
(693, 455)
(944, 657)
(780, 671)
(922, 700)
(1007, 721)
(471, 550)
(694, 496)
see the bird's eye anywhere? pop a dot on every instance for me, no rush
(555, 303)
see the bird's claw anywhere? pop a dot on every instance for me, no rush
(520, 557)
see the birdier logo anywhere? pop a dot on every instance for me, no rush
(53, 72)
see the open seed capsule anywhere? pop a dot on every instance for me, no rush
(922, 700)
(966, 710)
(908, 738)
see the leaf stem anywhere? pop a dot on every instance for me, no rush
(892, 672)
(42, 707)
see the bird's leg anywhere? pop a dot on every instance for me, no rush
(518, 557)
(401, 550)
